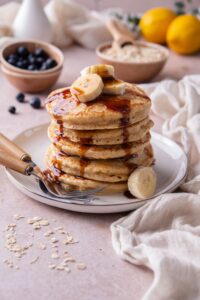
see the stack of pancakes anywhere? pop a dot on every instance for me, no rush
(99, 142)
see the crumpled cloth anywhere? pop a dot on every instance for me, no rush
(164, 235)
(70, 23)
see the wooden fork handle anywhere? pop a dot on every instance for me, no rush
(15, 164)
(11, 148)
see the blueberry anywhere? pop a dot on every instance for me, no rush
(39, 62)
(20, 65)
(31, 67)
(25, 63)
(39, 52)
(20, 97)
(32, 58)
(12, 110)
(22, 51)
(35, 102)
(12, 61)
(44, 67)
(50, 62)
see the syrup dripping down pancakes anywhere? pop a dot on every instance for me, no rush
(98, 142)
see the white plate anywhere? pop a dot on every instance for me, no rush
(170, 167)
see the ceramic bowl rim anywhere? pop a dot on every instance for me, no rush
(152, 45)
(58, 67)
(28, 76)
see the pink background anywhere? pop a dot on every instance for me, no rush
(107, 276)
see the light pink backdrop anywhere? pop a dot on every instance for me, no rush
(107, 277)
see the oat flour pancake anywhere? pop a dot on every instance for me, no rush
(98, 152)
(113, 170)
(99, 132)
(105, 112)
(130, 133)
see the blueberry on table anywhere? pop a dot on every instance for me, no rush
(22, 51)
(35, 102)
(20, 97)
(39, 52)
(12, 110)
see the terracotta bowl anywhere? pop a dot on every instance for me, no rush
(137, 72)
(31, 81)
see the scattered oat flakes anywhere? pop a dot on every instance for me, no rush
(69, 259)
(52, 267)
(11, 240)
(34, 260)
(54, 240)
(55, 255)
(69, 240)
(81, 266)
(42, 246)
(17, 217)
(48, 233)
(36, 225)
(44, 223)
(67, 269)
(59, 228)
(30, 221)
(60, 268)
(37, 219)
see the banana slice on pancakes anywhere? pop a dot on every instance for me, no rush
(142, 182)
(105, 71)
(87, 87)
(114, 86)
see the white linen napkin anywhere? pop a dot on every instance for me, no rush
(164, 235)
(71, 22)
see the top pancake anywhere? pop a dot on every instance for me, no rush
(105, 112)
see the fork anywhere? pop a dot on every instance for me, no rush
(15, 158)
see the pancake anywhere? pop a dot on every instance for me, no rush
(105, 112)
(69, 182)
(104, 137)
(98, 152)
(116, 170)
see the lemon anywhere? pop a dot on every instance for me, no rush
(154, 24)
(183, 35)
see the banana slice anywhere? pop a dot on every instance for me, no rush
(87, 87)
(114, 87)
(102, 70)
(142, 182)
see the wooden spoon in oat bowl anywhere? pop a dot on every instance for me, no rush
(134, 61)
(122, 36)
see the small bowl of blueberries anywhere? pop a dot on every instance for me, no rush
(31, 66)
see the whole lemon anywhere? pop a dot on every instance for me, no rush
(154, 24)
(183, 35)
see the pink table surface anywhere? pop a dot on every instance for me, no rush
(107, 276)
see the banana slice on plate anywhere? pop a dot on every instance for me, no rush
(142, 182)
(113, 86)
(102, 70)
(87, 87)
